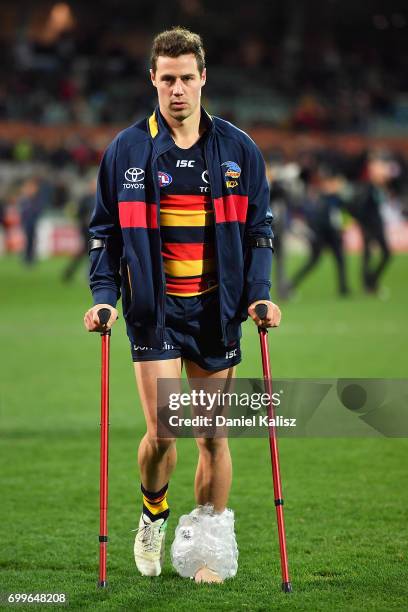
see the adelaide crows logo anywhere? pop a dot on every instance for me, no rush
(233, 170)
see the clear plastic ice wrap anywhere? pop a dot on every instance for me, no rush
(205, 538)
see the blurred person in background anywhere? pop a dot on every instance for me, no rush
(281, 177)
(2, 224)
(83, 214)
(31, 204)
(366, 208)
(322, 210)
(2, 212)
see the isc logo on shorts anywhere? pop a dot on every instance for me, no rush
(231, 354)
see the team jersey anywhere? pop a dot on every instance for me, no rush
(186, 221)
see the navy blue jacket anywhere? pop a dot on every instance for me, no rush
(126, 230)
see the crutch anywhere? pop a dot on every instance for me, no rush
(104, 315)
(261, 311)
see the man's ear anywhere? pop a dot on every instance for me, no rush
(204, 76)
(153, 77)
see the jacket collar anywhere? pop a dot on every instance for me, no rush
(160, 133)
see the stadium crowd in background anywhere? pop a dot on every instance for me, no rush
(300, 71)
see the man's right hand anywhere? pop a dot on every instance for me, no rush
(91, 319)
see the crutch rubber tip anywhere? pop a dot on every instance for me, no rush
(102, 584)
(287, 587)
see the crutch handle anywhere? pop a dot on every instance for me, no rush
(104, 316)
(261, 310)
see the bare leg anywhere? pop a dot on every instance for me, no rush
(157, 456)
(214, 469)
(214, 473)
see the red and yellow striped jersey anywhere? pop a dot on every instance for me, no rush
(186, 222)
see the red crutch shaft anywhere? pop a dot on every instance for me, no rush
(104, 453)
(273, 446)
(103, 479)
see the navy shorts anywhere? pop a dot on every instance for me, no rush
(193, 332)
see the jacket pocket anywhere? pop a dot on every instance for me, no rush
(138, 291)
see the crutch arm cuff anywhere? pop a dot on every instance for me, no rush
(96, 243)
(260, 242)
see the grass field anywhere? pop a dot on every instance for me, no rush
(345, 500)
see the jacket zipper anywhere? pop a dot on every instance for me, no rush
(163, 295)
(217, 257)
(130, 284)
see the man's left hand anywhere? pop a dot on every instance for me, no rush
(272, 318)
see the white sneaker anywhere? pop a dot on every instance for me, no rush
(149, 546)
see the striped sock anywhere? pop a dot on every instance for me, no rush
(155, 505)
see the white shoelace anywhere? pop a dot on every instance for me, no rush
(150, 537)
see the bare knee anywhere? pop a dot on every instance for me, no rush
(159, 446)
(211, 447)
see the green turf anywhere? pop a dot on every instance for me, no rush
(345, 500)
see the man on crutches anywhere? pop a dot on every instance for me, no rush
(182, 230)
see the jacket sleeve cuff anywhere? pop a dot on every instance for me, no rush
(105, 296)
(258, 291)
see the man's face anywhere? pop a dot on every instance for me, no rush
(178, 83)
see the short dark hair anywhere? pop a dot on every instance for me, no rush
(175, 42)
